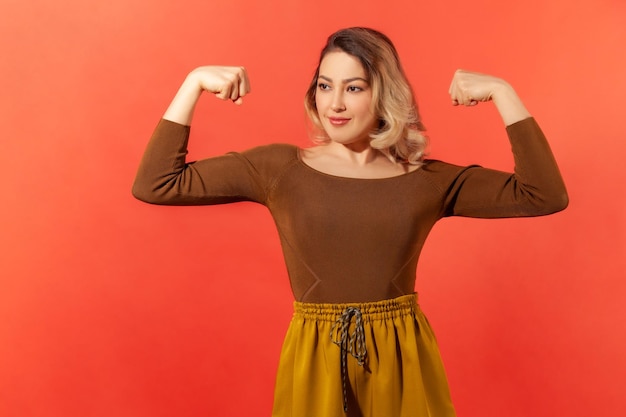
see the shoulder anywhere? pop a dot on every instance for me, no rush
(442, 174)
(269, 160)
(274, 151)
(437, 167)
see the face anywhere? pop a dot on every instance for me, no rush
(344, 99)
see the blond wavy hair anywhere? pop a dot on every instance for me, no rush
(400, 134)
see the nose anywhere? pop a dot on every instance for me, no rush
(338, 104)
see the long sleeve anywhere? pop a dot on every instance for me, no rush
(535, 188)
(164, 176)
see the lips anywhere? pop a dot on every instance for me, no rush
(338, 121)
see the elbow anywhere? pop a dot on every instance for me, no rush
(560, 204)
(162, 194)
(143, 193)
(564, 202)
(140, 194)
(557, 202)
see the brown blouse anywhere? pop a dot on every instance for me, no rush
(349, 239)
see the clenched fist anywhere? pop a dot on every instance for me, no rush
(226, 83)
(470, 88)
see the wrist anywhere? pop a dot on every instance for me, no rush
(508, 103)
(182, 106)
(191, 86)
(502, 91)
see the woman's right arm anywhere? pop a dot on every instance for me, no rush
(164, 176)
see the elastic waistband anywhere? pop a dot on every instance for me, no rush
(376, 310)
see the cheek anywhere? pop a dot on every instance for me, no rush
(320, 103)
(364, 108)
(361, 103)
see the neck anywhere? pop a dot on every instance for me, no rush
(359, 153)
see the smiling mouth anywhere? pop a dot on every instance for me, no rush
(338, 121)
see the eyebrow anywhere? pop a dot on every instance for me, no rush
(346, 81)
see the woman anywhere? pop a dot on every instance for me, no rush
(352, 214)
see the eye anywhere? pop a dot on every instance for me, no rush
(323, 86)
(354, 89)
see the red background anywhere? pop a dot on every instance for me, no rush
(111, 307)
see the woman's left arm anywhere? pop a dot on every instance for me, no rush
(536, 187)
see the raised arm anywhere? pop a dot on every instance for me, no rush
(536, 187)
(164, 176)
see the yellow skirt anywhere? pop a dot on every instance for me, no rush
(376, 359)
